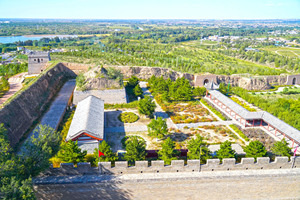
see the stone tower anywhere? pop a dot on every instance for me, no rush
(37, 61)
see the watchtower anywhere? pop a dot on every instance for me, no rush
(37, 61)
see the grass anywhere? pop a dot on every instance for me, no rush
(133, 104)
(244, 105)
(128, 117)
(238, 131)
(219, 114)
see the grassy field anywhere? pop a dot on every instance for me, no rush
(285, 51)
(274, 97)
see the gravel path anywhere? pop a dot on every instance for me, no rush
(194, 125)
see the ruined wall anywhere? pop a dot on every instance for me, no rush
(121, 167)
(293, 80)
(19, 115)
(147, 72)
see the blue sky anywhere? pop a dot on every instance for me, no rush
(151, 9)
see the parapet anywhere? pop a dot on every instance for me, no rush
(157, 166)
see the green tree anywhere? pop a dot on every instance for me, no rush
(167, 153)
(255, 149)
(199, 91)
(71, 153)
(135, 150)
(146, 106)
(5, 148)
(138, 91)
(181, 90)
(158, 128)
(133, 81)
(281, 148)
(194, 149)
(225, 151)
(109, 155)
(43, 145)
(16, 189)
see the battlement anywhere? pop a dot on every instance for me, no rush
(157, 166)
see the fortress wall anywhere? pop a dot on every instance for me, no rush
(109, 96)
(157, 166)
(25, 109)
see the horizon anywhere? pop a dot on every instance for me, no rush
(154, 10)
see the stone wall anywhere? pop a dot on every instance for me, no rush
(19, 115)
(109, 96)
(293, 80)
(121, 167)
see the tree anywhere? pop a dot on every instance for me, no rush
(133, 81)
(71, 153)
(43, 145)
(14, 188)
(146, 106)
(135, 150)
(168, 153)
(199, 91)
(109, 155)
(194, 149)
(281, 148)
(5, 148)
(225, 151)
(255, 149)
(181, 90)
(158, 127)
(138, 91)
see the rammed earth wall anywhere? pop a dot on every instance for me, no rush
(121, 167)
(19, 115)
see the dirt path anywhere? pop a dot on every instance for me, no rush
(15, 84)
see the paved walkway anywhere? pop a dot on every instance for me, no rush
(194, 125)
(123, 129)
(252, 184)
(15, 84)
(58, 107)
(159, 112)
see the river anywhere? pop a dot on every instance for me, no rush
(12, 39)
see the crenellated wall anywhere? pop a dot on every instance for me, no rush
(121, 167)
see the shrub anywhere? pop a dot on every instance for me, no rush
(238, 131)
(128, 117)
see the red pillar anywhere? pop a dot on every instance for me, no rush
(261, 122)
(268, 126)
(275, 131)
(293, 144)
(206, 92)
(283, 135)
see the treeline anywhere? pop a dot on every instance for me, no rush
(12, 69)
(179, 90)
(179, 58)
(266, 57)
(287, 110)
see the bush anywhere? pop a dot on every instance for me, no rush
(128, 117)
(238, 131)
(213, 110)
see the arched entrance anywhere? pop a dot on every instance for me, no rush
(205, 81)
(294, 81)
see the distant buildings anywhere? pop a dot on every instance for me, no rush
(37, 61)
(251, 49)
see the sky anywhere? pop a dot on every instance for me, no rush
(151, 9)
